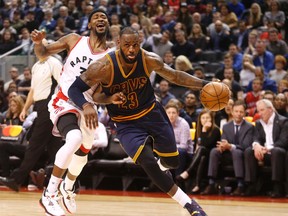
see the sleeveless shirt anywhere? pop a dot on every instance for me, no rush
(136, 86)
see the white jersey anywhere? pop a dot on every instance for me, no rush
(78, 60)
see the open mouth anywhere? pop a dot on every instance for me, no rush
(100, 26)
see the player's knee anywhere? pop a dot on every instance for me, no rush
(82, 151)
(170, 162)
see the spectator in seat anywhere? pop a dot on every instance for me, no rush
(237, 57)
(7, 27)
(182, 136)
(182, 46)
(241, 36)
(182, 113)
(280, 104)
(185, 17)
(228, 64)
(25, 85)
(275, 45)
(69, 20)
(82, 27)
(164, 93)
(247, 73)
(254, 20)
(220, 41)
(236, 7)
(225, 115)
(207, 135)
(11, 148)
(198, 39)
(253, 96)
(274, 15)
(30, 22)
(262, 57)
(228, 17)
(278, 73)
(197, 20)
(24, 38)
(190, 106)
(268, 84)
(15, 77)
(49, 23)
(162, 44)
(7, 42)
(237, 135)
(60, 29)
(252, 39)
(269, 147)
(207, 16)
(283, 86)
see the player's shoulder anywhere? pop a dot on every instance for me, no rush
(71, 39)
(151, 56)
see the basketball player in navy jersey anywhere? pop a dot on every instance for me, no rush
(141, 122)
(67, 118)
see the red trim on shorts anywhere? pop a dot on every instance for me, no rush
(83, 149)
(59, 95)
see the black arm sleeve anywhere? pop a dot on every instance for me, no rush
(76, 90)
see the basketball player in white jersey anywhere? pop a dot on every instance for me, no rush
(68, 119)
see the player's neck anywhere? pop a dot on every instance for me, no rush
(97, 44)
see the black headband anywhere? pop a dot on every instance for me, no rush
(96, 11)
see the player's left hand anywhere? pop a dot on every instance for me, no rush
(118, 98)
(91, 116)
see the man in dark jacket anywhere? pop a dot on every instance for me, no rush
(269, 148)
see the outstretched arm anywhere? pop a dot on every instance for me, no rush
(175, 76)
(44, 50)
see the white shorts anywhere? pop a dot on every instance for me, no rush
(60, 105)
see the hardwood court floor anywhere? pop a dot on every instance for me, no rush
(111, 203)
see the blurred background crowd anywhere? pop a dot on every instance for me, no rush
(242, 43)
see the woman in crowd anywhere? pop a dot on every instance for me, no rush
(11, 147)
(198, 39)
(207, 135)
(255, 17)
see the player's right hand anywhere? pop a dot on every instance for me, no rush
(38, 36)
(91, 116)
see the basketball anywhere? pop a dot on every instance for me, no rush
(215, 95)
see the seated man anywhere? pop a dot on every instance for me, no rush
(269, 148)
(236, 137)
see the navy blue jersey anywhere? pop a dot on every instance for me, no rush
(136, 87)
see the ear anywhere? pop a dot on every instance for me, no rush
(118, 41)
(89, 26)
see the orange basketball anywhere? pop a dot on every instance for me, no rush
(214, 96)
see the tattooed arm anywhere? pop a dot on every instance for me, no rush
(182, 78)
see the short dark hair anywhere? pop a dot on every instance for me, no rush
(239, 103)
(128, 30)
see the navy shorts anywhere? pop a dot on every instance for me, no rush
(134, 134)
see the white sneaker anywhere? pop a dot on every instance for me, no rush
(50, 203)
(68, 198)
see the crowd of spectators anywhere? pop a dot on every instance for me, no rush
(242, 43)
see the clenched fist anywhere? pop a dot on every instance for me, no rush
(38, 36)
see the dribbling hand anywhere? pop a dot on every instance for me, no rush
(37, 36)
